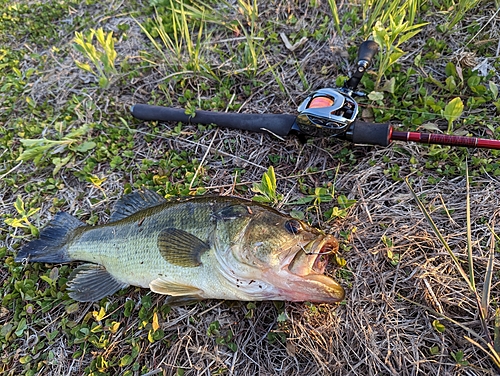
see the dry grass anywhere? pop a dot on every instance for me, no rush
(384, 327)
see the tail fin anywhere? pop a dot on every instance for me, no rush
(52, 245)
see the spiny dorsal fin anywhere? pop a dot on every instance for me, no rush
(91, 282)
(134, 202)
(162, 286)
(181, 248)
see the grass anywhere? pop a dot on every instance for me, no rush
(489, 345)
(102, 58)
(67, 142)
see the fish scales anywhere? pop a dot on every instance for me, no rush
(129, 249)
(191, 249)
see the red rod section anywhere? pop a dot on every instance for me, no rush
(445, 139)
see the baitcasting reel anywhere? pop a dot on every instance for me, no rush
(333, 111)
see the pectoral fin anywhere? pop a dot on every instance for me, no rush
(162, 286)
(91, 282)
(181, 248)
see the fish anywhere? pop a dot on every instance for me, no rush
(201, 247)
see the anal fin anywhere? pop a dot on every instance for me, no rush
(182, 300)
(91, 282)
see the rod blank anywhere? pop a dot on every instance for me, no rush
(444, 139)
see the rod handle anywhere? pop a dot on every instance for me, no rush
(369, 133)
(279, 124)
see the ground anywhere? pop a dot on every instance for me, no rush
(407, 311)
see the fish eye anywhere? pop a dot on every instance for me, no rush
(293, 226)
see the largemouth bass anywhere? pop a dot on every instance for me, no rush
(208, 247)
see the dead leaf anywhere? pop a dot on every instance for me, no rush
(288, 45)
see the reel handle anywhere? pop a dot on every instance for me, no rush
(366, 52)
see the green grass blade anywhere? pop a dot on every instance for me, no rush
(427, 216)
(492, 354)
(335, 14)
(153, 41)
(496, 341)
(469, 232)
(485, 300)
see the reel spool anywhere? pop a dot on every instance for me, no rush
(327, 112)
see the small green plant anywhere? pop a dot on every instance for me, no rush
(438, 326)
(459, 357)
(327, 195)
(214, 330)
(389, 38)
(253, 46)
(452, 112)
(340, 212)
(456, 11)
(393, 257)
(23, 221)
(182, 47)
(102, 57)
(37, 149)
(335, 14)
(266, 189)
(434, 350)
(374, 11)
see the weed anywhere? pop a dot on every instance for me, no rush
(381, 11)
(335, 14)
(452, 112)
(102, 55)
(37, 149)
(456, 11)
(389, 38)
(226, 338)
(174, 30)
(393, 257)
(266, 189)
(438, 326)
(252, 48)
(23, 221)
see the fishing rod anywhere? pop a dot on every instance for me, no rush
(328, 112)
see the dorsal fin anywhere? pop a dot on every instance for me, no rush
(134, 202)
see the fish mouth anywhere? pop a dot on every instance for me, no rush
(314, 257)
(308, 266)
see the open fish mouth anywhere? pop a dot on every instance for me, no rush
(313, 258)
